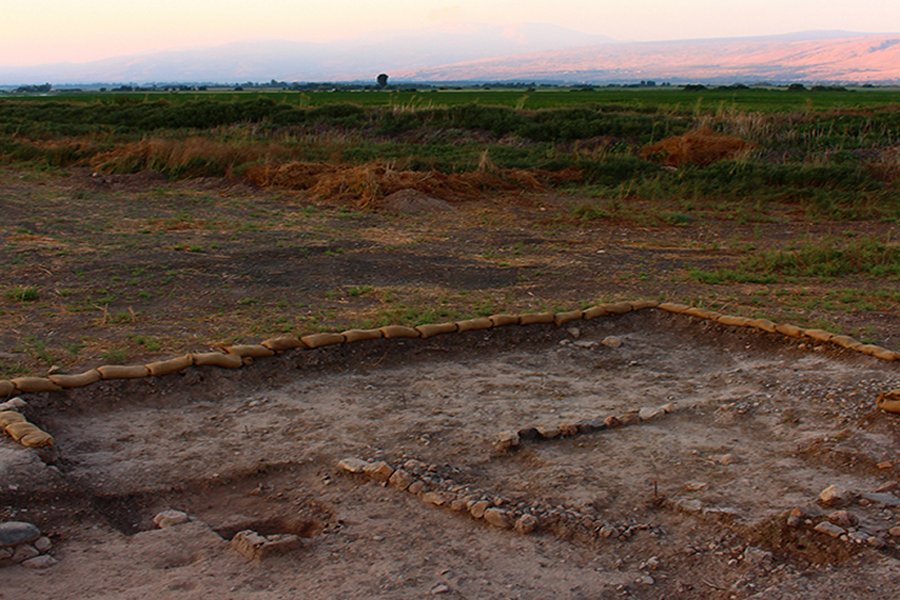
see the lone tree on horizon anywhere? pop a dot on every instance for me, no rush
(382, 80)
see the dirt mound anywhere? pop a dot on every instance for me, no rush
(698, 147)
(411, 202)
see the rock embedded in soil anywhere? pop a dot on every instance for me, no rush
(834, 496)
(43, 544)
(498, 518)
(478, 508)
(13, 533)
(379, 471)
(401, 480)
(526, 524)
(24, 552)
(830, 529)
(259, 547)
(612, 342)
(352, 465)
(40, 562)
(842, 518)
(506, 441)
(170, 518)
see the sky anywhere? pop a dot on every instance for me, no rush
(48, 31)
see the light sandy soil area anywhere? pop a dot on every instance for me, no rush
(692, 503)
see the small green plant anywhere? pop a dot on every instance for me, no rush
(115, 356)
(23, 294)
(359, 290)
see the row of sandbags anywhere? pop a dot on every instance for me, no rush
(18, 428)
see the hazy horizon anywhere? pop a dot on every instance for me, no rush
(44, 32)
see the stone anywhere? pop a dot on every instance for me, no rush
(40, 562)
(886, 499)
(436, 498)
(170, 518)
(526, 524)
(834, 496)
(379, 471)
(13, 533)
(630, 418)
(24, 552)
(646, 413)
(498, 518)
(725, 459)
(506, 440)
(612, 341)
(255, 546)
(574, 332)
(6, 554)
(586, 344)
(352, 465)
(401, 480)
(568, 429)
(439, 589)
(478, 508)
(843, 518)
(16, 404)
(416, 487)
(548, 432)
(458, 505)
(612, 421)
(756, 556)
(830, 529)
(43, 544)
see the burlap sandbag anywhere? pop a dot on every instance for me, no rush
(474, 324)
(76, 381)
(537, 318)
(399, 331)
(19, 430)
(284, 343)
(594, 312)
(319, 340)
(561, 318)
(504, 320)
(8, 417)
(845, 341)
(617, 308)
(250, 351)
(644, 304)
(763, 324)
(433, 329)
(820, 335)
(789, 330)
(889, 401)
(361, 335)
(123, 371)
(673, 307)
(35, 385)
(37, 439)
(169, 366)
(218, 359)
(734, 321)
(6, 388)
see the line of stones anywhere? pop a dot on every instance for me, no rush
(507, 441)
(436, 487)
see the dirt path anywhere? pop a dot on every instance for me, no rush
(695, 503)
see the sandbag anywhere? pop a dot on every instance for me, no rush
(250, 350)
(789, 330)
(360, 335)
(399, 331)
(673, 307)
(820, 335)
(889, 401)
(6, 388)
(169, 366)
(35, 385)
(433, 329)
(474, 324)
(123, 371)
(319, 340)
(218, 359)
(537, 318)
(845, 341)
(594, 312)
(77, 380)
(37, 439)
(733, 321)
(764, 324)
(617, 308)
(7, 417)
(644, 304)
(19, 430)
(561, 318)
(283, 343)
(503, 320)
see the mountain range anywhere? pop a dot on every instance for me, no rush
(533, 52)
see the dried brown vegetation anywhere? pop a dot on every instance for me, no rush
(701, 146)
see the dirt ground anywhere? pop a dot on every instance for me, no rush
(698, 499)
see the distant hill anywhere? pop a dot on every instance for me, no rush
(533, 52)
(356, 59)
(806, 57)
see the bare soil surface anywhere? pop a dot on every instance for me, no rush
(698, 499)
